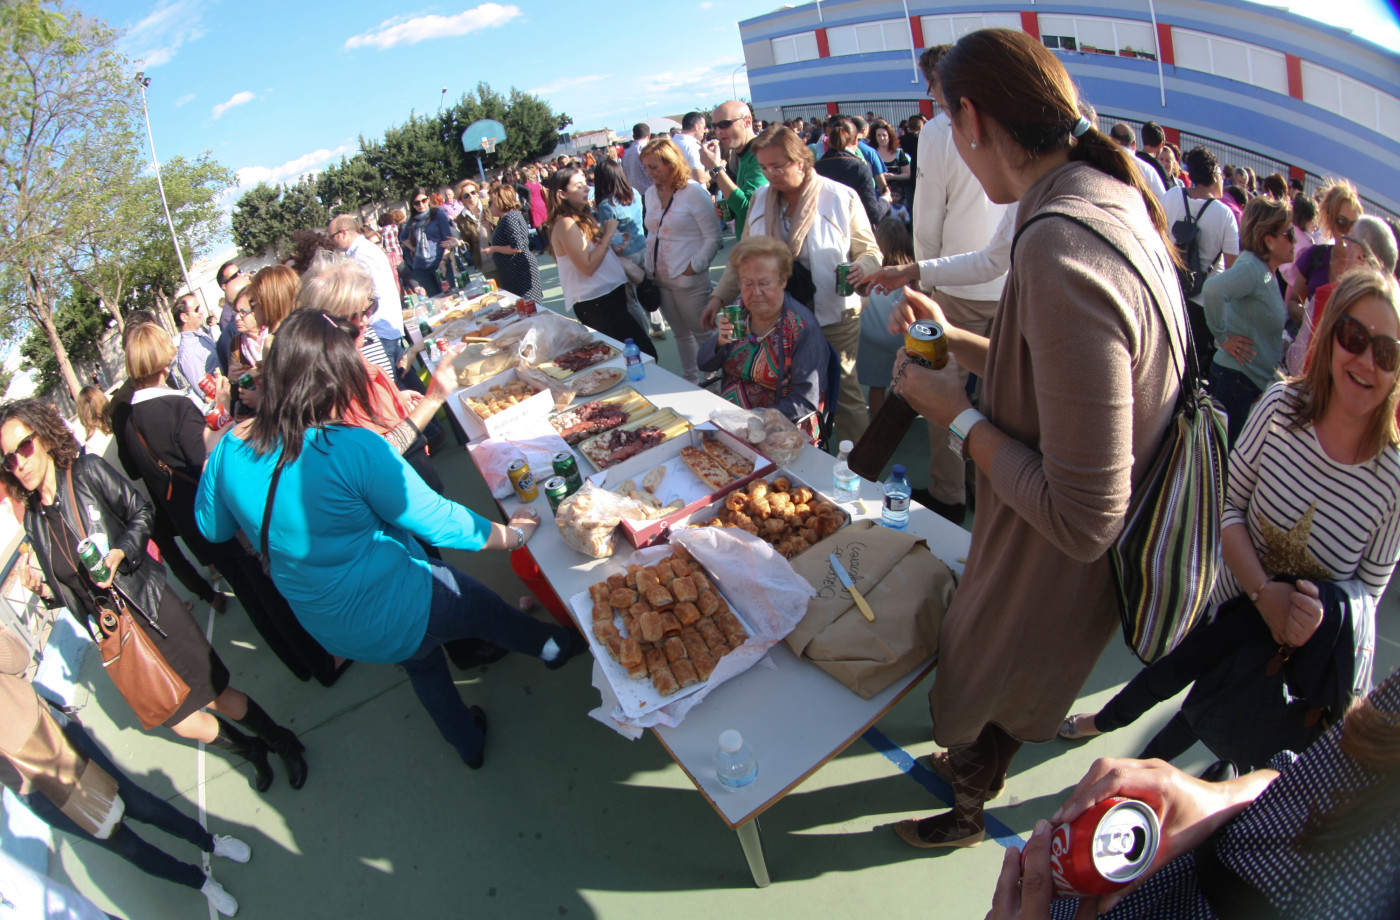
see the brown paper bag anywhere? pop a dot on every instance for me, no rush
(906, 586)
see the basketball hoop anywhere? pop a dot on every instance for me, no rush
(488, 145)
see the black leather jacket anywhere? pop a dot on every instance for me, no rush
(126, 519)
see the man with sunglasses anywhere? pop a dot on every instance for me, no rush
(740, 176)
(195, 353)
(386, 319)
(231, 279)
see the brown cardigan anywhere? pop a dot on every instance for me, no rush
(1080, 375)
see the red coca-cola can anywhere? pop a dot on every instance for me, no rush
(526, 307)
(208, 386)
(1103, 849)
(217, 417)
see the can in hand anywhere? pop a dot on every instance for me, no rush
(522, 480)
(1103, 849)
(566, 466)
(208, 386)
(726, 213)
(91, 557)
(246, 381)
(844, 288)
(735, 314)
(555, 491)
(927, 344)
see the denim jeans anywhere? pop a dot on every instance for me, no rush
(464, 608)
(141, 806)
(1237, 393)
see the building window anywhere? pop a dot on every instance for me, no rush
(946, 30)
(868, 37)
(1234, 60)
(1337, 93)
(1097, 35)
(793, 48)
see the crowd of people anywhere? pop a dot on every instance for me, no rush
(1072, 270)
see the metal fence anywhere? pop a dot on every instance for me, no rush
(892, 112)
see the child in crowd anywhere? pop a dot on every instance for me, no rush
(875, 354)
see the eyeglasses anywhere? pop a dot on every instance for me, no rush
(247, 312)
(1353, 335)
(770, 170)
(728, 123)
(420, 201)
(1291, 236)
(23, 449)
(1344, 223)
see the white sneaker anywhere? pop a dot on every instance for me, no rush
(232, 848)
(219, 899)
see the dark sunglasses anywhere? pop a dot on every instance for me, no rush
(727, 123)
(420, 201)
(1353, 335)
(23, 449)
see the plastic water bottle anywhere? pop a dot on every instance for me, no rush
(734, 761)
(95, 533)
(845, 481)
(897, 491)
(633, 355)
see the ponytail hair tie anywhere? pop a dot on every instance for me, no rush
(1080, 127)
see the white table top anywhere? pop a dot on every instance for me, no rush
(796, 717)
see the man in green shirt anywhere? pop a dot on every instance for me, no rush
(733, 124)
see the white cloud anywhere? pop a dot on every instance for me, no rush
(154, 40)
(411, 31)
(233, 101)
(292, 170)
(568, 83)
(183, 100)
(707, 5)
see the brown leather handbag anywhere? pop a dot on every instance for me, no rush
(145, 679)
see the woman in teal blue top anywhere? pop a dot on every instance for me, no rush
(340, 533)
(1244, 309)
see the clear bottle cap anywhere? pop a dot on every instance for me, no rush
(845, 447)
(730, 741)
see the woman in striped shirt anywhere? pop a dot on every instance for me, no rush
(1311, 525)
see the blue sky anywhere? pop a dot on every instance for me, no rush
(278, 89)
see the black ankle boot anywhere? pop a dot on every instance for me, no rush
(253, 750)
(283, 741)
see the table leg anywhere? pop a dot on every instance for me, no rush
(752, 842)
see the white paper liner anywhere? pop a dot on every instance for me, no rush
(537, 443)
(769, 596)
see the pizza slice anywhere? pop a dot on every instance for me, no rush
(706, 468)
(737, 465)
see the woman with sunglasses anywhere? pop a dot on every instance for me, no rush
(1245, 312)
(429, 235)
(62, 492)
(1340, 206)
(343, 528)
(1310, 536)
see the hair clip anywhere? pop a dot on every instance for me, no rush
(1080, 127)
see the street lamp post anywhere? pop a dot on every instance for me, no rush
(144, 81)
(734, 80)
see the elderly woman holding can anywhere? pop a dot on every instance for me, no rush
(1080, 372)
(338, 511)
(775, 356)
(67, 496)
(824, 225)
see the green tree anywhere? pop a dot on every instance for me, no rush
(255, 221)
(299, 208)
(67, 108)
(412, 154)
(351, 186)
(80, 323)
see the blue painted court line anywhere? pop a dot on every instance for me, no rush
(934, 783)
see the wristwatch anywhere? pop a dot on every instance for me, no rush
(960, 428)
(715, 171)
(519, 534)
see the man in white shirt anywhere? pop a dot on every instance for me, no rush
(689, 138)
(632, 160)
(387, 317)
(1124, 137)
(952, 215)
(1217, 239)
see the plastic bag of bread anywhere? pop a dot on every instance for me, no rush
(769, 431)
(587, 519)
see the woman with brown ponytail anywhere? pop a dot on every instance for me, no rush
(1081, 372)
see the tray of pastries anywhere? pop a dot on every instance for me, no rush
(659, 630)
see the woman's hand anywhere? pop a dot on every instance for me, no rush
(609, 228)
(1190, 810)
(938, 395)
(708, 315)
(444, 380)
(725, 329)
(249, 396)
(915, 306)
(527, 519)
(1239, 348)
(1304, 615)
(1024, 889)
(31, 578)
(114, 559)
(890, 278)
(223, 393)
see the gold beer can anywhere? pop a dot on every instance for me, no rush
(927, 344)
